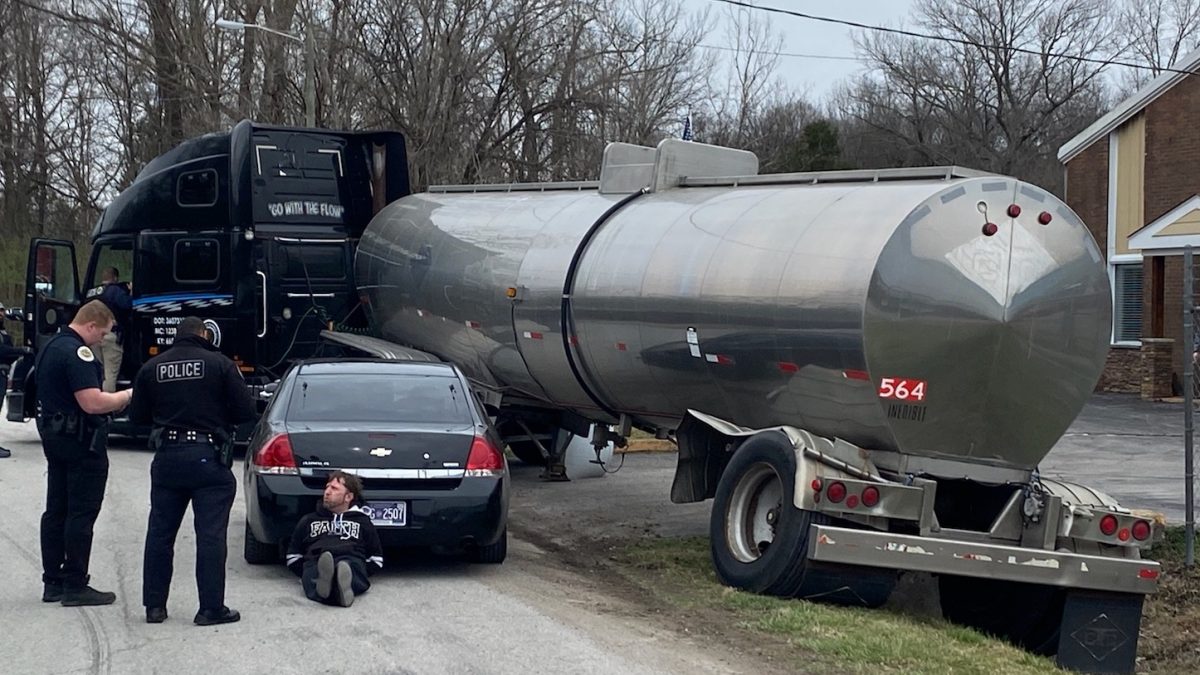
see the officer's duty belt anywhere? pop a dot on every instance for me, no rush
(188, 436)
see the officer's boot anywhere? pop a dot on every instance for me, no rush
(87, 597)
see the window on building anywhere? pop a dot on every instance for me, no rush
(1127, 303)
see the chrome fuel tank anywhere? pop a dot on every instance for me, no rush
(878, 311)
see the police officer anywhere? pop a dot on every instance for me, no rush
(193, 396)
(116, 295)
(74, 431)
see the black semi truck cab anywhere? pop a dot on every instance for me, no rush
(253, 230)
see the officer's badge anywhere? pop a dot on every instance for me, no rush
(85, 354)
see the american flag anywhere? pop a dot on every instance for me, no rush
(687, 128)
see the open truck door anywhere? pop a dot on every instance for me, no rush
(51, 290)
(51, 300)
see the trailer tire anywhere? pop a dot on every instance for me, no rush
(256, 552)
(762, 473)
(1028, 615)
(527, 452)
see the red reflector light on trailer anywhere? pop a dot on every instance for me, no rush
(836, 492)
(1148, 573)
(1141, 530)
(852, 501)
(1108, 525)
(1123, 535)
(816, 485)
(870, 496)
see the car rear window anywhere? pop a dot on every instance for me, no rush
(378, 398)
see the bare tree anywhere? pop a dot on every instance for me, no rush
(1001, 93)
(1158, 33)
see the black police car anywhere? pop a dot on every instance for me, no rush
(432, 468)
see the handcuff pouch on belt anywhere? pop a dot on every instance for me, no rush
(90, 429)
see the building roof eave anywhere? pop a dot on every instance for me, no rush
(1129, 107)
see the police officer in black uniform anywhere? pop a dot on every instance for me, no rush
(193, 396)
(73, 425)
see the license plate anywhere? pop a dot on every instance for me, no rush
(388, 514)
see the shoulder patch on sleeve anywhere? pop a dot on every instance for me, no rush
(85, 354)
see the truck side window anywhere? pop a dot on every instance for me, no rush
(197, 188)
(314, 261)
(197, 260)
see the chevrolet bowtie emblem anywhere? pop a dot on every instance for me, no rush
(381, 452)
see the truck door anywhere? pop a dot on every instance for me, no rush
(51, 290)
(306, 285)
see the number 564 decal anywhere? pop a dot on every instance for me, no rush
(902, 389)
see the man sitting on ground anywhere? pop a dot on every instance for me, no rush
(335, 549)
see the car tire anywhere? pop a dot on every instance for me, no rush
(492, 554)
(258, 553)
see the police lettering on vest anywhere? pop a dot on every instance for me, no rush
(177, 371)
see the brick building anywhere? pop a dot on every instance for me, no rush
(1134, 177)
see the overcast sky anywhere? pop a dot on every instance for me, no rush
(816, 77)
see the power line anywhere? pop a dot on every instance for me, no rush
(954, 40)
(828, 57)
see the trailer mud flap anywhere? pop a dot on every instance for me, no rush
(1099, 632)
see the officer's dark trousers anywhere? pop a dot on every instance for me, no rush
(182, 473)
(75, 480)
(359, 581)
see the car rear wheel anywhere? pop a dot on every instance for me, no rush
(258, 553)
(492, 554)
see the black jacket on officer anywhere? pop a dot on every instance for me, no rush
(193, 395)
(191, 386)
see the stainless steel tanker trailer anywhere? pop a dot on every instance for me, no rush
(862, 369)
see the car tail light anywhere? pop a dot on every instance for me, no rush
(836, 492)
(1141, 530)
(485, 459)
(276, 456)
(1108, 525)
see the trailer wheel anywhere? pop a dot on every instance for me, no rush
(527, 452)
(759, 538)
(1028, 615)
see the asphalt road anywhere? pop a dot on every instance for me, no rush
(1129, 448)
(428, 615)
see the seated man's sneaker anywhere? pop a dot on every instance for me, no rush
(325, 572)
(224, 615)
(345, 584)
(87, 597)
